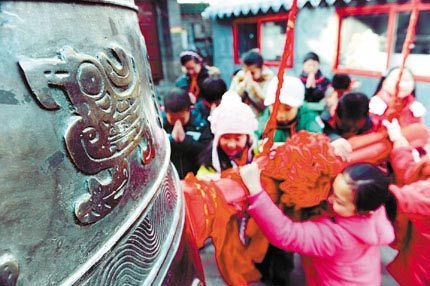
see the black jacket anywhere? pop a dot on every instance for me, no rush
(334, 132)
(317, 93)
(186, 153)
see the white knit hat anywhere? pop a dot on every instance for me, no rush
(234, 117)
(292, 92)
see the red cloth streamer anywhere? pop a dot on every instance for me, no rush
(396, 102)
(270, 129)
(304, 167)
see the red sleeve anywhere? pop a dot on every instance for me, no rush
(403, 164)
(413, 199)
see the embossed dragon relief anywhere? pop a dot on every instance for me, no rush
(107, 124)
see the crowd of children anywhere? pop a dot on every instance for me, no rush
(213, 129)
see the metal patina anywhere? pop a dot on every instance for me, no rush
(88, 195)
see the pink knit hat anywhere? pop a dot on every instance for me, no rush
(232, 116)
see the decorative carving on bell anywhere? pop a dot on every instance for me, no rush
(107, 121)
(84, 159)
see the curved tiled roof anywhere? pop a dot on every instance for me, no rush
(234, 8)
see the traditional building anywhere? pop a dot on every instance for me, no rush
(197, 30)
(361, 38)
(160, 24)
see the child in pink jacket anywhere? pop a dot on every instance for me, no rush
(338, 250)
(411, 265)
(410, 110)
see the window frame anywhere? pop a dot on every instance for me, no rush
(259, 20)
(392, 11)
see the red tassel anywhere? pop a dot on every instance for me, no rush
(396, 102)
(269, 131)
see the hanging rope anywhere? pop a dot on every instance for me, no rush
(269, 130)
(396, 102)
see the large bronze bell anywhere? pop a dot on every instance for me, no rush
(87, 193)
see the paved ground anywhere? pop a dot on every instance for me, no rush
(213, 278)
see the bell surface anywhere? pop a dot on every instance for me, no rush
(88, 195)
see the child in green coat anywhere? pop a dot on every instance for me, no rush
(292, 116)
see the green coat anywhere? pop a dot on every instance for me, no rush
(306, 120)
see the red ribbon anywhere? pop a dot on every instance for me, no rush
(269, 130)
(194, 86)
(396, 102)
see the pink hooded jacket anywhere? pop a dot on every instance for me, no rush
(344, 251)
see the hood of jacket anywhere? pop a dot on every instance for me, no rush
(372, 229)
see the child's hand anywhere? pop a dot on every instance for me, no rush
(178, 133)
(393, 129)
(251, 178)
(342, 148)
(395, 133)
(262, 142)
(248, 78)
(310, 82)
(332, 99)
(193, 98)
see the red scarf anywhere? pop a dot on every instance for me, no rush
(194, 86)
